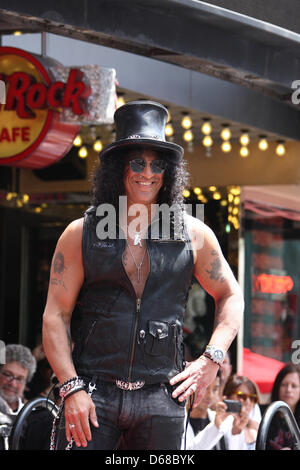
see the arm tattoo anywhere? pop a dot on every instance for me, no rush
(215, 272)
(58, 269)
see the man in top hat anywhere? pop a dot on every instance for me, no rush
(120, 294)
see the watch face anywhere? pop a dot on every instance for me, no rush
(218, 355)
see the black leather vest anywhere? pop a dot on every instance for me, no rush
(118, 336)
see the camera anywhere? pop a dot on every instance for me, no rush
(233, 406)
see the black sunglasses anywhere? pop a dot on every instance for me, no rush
(137, 165)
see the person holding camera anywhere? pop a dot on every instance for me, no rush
(206, 427)
(234, 423)
(246, 422)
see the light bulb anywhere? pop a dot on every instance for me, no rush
(226, 146)
(244, 152)
(263, 143)
(188, 136)
(235, 190)
(225, 133)
(217, 195)
(197, 190)
(169, 131)
(97, 145)
(206, 128)
(77, 141)
(83, 153)
(186, 193)
(186, 122)
(244, 138)
(212, 188)
(280, 149)
(207, 141)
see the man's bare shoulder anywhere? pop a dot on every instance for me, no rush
(196, 226)
(73, 232)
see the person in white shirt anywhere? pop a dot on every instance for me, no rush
(218, 430)
(206, 428)
(246, 423)
(19, 369)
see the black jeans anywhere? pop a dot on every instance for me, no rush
(144, 419)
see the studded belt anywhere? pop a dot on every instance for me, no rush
(129, 385)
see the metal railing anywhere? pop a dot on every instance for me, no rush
(277, 406)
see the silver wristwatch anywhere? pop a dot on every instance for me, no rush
(214, 353)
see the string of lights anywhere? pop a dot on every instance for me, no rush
(206, 135)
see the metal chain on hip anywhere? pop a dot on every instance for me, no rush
(91, 388)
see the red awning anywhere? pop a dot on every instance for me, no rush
(261, 369)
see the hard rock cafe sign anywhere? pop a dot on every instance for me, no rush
(45, 105)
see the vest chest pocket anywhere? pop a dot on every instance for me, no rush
(157, 343)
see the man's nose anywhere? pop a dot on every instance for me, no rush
(148, 170)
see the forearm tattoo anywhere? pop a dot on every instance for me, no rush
(216, 268)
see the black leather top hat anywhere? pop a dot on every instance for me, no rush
(141, 123)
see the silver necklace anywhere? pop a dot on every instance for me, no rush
(138, 266)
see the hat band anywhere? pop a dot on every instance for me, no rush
(138, 136)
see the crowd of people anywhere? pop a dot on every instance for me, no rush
(212, 425)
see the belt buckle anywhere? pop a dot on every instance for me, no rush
(130, 385)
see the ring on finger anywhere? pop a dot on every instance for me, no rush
(71, 426)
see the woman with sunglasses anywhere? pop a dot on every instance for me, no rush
(246, 423)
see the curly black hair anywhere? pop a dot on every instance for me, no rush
(108, 184)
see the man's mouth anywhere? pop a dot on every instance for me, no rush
(10, 389)
(144, 183)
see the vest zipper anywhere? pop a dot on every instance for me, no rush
(174, 326)
(137, 314)
(137, 310)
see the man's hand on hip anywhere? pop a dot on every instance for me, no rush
(195, 379)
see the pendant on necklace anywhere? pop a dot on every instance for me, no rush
(137, 239)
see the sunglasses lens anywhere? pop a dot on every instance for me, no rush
(137, 165)
(244, 396)
(158, 166)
